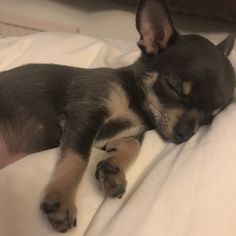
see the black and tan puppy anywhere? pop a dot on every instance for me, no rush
(178, 84)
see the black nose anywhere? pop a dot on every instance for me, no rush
(183, 132)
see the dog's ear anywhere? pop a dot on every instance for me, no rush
(227, 44)
(154, 25)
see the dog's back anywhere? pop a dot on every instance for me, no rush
(34, 100)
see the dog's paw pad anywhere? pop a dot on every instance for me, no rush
(48, 208)
(105, 167)
(61, 215)
(112, 180)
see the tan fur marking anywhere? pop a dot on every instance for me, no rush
(169, 120)
(118, 103)
(62, 190)
(130, 132)
(127, 150)
(187, 88)
(118, 106)
(151, 79)
(174, 115)
(68, 173)
(153, 103)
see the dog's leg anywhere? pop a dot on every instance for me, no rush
(59, 200)
(80, 130)
(111, 171)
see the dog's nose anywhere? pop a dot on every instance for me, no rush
(184, 131)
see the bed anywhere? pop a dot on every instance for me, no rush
(173, 190)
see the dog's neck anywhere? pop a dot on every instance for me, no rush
(133, 80)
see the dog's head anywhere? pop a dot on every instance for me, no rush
(188, 79)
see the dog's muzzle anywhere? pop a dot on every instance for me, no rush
(184, 130)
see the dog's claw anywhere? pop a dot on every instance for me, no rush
(75, 223)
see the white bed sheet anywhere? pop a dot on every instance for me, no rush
(183, 190)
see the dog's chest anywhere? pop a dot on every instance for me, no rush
(123, 121)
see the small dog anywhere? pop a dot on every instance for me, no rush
(178, 84)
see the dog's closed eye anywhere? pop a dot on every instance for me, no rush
(173, 87)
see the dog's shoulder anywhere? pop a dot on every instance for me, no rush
(125, 116)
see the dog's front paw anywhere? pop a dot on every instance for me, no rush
(111, 178)
(60, 213)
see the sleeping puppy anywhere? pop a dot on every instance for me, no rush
(179, 83)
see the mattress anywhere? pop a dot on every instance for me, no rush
(173, 190)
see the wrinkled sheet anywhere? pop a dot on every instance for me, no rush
(183, 190)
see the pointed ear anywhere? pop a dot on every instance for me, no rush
(227, 44)
(154, 25)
